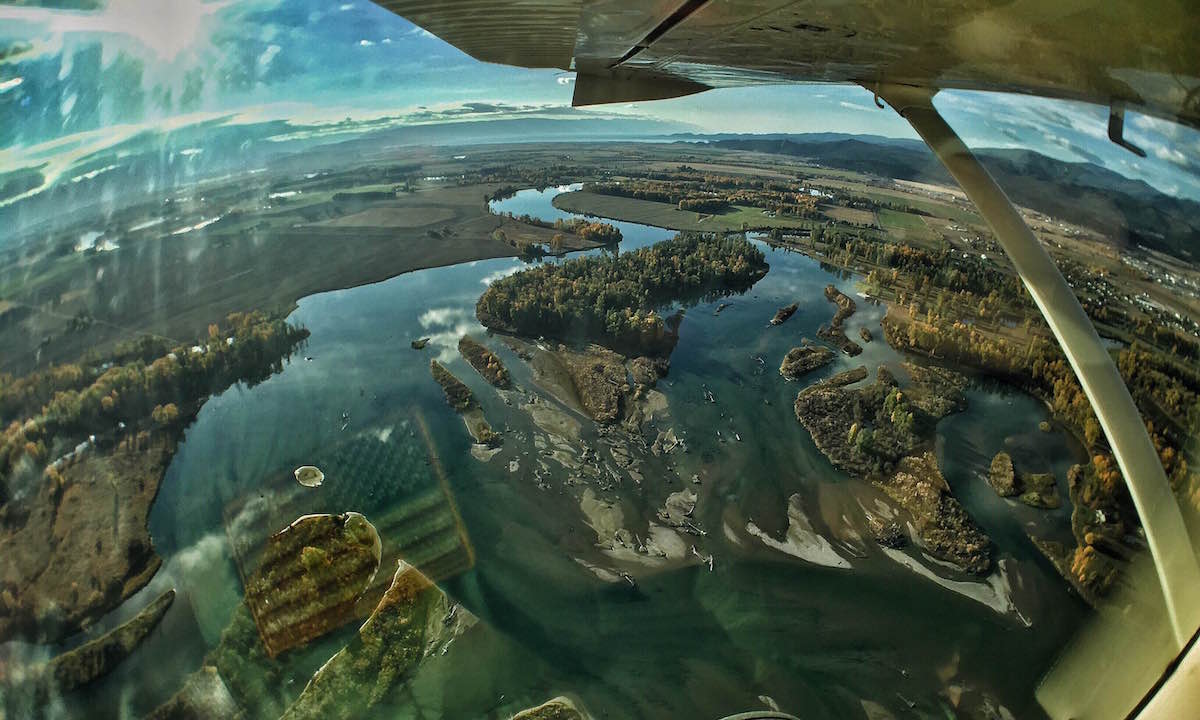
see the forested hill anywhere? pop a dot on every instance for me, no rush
(1083, 193)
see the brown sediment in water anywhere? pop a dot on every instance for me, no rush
(1001, 476)
(611, 388)
(833, 332)
(458, 394)
(1040, 490)
(599, 377)
(598, 382)
(802, 360)
(937, 391)
(846, 377)
(463, 400)
(647, 371)
(940, 521)
(783, 313)
(876, 432)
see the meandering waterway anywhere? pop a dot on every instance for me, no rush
(818, 638)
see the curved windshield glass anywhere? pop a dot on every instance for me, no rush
(343, 374)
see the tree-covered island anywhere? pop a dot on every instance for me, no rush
(614, 300)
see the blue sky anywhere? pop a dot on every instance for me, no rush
(146, 62)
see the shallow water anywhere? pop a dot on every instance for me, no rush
(683, 643)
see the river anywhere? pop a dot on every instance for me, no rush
(690, 642)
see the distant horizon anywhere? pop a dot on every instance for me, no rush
(71, 159)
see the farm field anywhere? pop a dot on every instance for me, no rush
(667, 216)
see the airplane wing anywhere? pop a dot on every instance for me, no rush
(1140, 55)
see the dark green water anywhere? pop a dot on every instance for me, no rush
(685, 643)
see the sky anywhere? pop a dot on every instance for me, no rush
(118, 64)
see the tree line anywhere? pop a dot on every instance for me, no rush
(712, 197)
(1105, 514)
(96, 400)
(614, 300)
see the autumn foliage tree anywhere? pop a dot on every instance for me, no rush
(97, 399)
(615, 300)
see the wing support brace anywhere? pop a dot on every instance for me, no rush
(1116, 129)
(1166, 533)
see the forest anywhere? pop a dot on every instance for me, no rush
(614, 300)
(594, 232)
(975, 303)
(513, 178)
(485, 362)
(976, 313)
(1104, 516)
(47, 410)
(714, 194)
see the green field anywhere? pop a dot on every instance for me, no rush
(908, 227)
(932, 207)
(890, 219)
(668, 216)
(884, 195)
(848, 215)
(753, 217)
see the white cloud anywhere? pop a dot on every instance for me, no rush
(1171, 155)
(267, 56)
(1152, 124)
(854, 106)
(1074, 130)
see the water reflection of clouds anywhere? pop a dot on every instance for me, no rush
(205, 576)
(441, 316)
(499, 275)
(449, 324)
(790, 277)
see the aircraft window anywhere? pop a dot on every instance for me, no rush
(343, 374)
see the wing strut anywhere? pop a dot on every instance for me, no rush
(1116, 129)
(1166, 533)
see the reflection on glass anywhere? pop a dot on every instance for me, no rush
(451, 405)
